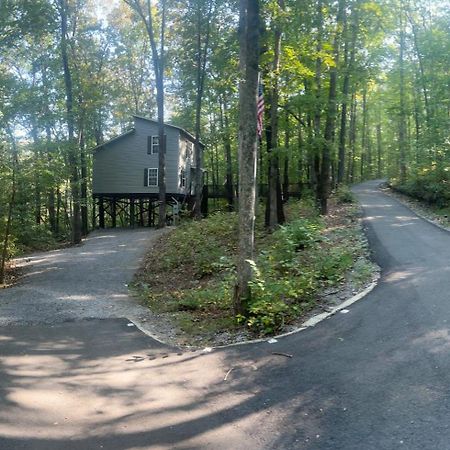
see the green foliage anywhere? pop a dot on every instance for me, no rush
(287, 274)
(431, 186)
(345, 195)
(35, 238)
(204, 246)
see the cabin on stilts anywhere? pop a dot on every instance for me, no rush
(125, 175)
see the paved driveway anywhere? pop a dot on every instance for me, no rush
(84, 282)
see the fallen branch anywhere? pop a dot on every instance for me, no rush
(282, 354)
(228, 373)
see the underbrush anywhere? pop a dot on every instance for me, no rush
(190, 273)
(429, 185)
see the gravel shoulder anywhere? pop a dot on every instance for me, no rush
(89, 281)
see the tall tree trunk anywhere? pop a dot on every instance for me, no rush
(73, 157)
(317, 144)
(275, 205)
(201, 59)
(249, 26)
(349, 66)
(417, 128)
(324, 182)
(11, 206)
(51, 190)
(227, 147)
(402, 115)
(84, 185)
(83, 168)
(159, 63)
(287, 138)
(158, 60)
(364, 134)
(301, 151)
(422, 70)
(379, 151)
(50, 194)
(37, 182)
(352, 140)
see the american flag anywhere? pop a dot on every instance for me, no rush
(260, 109)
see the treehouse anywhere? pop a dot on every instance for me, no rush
(126, 174)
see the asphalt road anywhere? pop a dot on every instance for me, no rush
(377, 377)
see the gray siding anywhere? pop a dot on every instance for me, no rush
(119, 166)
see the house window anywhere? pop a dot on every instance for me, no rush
(152, 179)
(183, 178)
(153, 145)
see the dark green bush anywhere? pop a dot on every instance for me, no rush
(345, 195)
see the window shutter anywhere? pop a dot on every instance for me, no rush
(149, 145)
(146, 177)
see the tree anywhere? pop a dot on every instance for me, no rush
(158, 57)
(73, 156)
(203, 29)
(274, 212)
(324, 181)
(249, 26)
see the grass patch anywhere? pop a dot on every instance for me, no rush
(190, 273)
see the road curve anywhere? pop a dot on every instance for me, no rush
(376, 377)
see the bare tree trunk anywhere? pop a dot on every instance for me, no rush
(11, 206)
(202, 52)
(352, 140)
(349, 65)
(275, 204)
(287, 138)
(364, 135)
(402, 116)
(228, 160)
(249, 26)
(51, 190)
(158, 68)
(50, 194)
(324, 182)
(421, 68)
(37, 184)
(84, 187)
(317, 150)
(379, 151)
(73, 156)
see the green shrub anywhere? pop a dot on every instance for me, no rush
(430, 185)
(35, 237)
(204, 245)
(289, 239)
(345, 195)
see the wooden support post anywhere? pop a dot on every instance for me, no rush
(149, 212)
(101, 211)
(132, 218)
(153, 221)
(141, 212)
(114, 213)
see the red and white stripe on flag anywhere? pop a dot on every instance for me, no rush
(260, 109)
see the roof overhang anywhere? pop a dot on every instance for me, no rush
(110, 141)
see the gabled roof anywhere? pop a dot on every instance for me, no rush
(182, 130)
(115, 139)
(132, 130)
